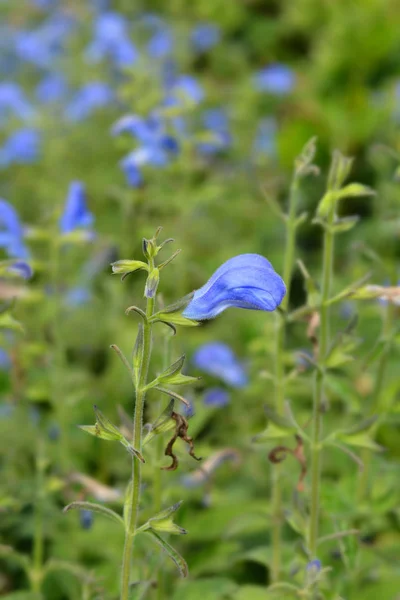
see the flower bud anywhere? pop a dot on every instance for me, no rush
(152, 283)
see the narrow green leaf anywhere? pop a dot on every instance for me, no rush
(354, 190)
(7, 321)
(339, 170)
(96, 508)
(303, 164)
(345, 224)
(174, 318)
(172, 553)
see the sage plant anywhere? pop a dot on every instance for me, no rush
(169, 420)
(245, 281)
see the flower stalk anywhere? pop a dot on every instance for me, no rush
(303, 167)
(137, 443)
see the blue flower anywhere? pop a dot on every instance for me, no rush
(111, 40)
(276, 79)
(21, 268)
(76, 214)
(5, 364)
(218, 359)
(182, 89)
(52, 88)
(156, 146)
(11, 231)
(217, 397)
(160, 44)
(88, 99)
(314, 565)
(77, 296)
(22, 147)
(245, 281)
(204, 36)
(43, 45)
(13, 102)
(216, 123)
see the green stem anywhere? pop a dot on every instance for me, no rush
(158, 473)
(327, 270)
(276, 497)
(137, 443)
(377, 408)
(38, 539)
(57, 397)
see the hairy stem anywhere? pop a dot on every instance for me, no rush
(137, 443)
(288, 265)
(327, 270)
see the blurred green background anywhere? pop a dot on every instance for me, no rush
(235, 89)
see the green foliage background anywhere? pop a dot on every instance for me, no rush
(346, 57)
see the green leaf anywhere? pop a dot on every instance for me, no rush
(172, 553)
(7, 321)
(354, 190)
(345, 224)
(312, 289)
(138, 355)
(278, 427)
(96, 508)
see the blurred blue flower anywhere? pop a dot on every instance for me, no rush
(86, 518)
(217, 397)
(217, 126)
(76, 214)
(13, 102)
(111, 40)
(183, 88)
(21, 147)
(54, 432)
(77, 296)
(160, 43)
(11, 231)
(265, 139)
(52, 88)
(204, 36)
(156, 146)
(314, 565)
(44, 4)
(276, 79)
(218, 359)
(5, 364)
(245, 281)
(21, 268)
(43, 45)
(88, 99)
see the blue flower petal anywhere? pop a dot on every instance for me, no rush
(245, 281)
(217, 397)
(76, 214)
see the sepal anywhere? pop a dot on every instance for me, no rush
(163, 522)
(104, 429)
(126, 267)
